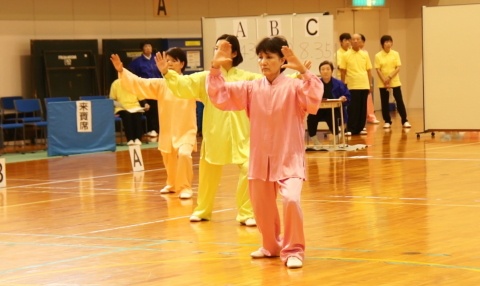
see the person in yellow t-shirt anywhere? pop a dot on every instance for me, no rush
(129, 109)
(356, 73)
(371, 118)
(387, 64)
(345, 43)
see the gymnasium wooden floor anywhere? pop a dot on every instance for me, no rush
(404, 211)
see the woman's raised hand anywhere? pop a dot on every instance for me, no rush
(161, 61)
(221, 56)
(117, 63)
(292, 61)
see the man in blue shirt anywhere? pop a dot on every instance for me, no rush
(145, 67)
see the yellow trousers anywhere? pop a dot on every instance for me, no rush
(179, 168)
(209, 179)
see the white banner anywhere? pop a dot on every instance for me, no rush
(84, 116)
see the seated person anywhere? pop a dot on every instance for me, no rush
(129, 107)
(333, 89)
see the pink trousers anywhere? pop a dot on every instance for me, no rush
(263, 195)
(370, 109)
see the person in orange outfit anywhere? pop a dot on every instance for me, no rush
(177, 138)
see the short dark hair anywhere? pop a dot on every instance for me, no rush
(385, 38)
(273, 45)
(325, 63)
(179, 55)
(363, 37)
(345, 36)
(233, 40)
(146, 42)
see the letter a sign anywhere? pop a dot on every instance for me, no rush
(161, 8)
(240, 28)
(136, 158)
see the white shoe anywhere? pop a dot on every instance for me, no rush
(363, 132)
(250, 222)
(315, 140)
(364, 128)
(294, 262)
(375, 121)
(152, 133)
(386, 125)
(348, 133)
(185, 195)
(406, 125)
(137, 142)
(167, 190)
(195, 219)
(257, 254)
(130, 143)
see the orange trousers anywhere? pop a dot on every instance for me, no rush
(178, 164)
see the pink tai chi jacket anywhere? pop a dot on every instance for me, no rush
(276, 111)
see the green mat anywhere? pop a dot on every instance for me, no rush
(41, 155)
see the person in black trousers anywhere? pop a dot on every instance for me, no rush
(356, 72)
(387, 64)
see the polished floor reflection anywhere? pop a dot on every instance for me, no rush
(401, 212)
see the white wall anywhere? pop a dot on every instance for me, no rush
(22, 20)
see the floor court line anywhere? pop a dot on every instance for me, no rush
(160, 240)
(146, 223)
(85, 189)
(392, 203)
(87, 178)
(343, 259)
(47, 201)
(396, 158)
(443, 147)
(76, 258)
(167, 241)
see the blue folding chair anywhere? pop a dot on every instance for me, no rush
(10, 126)
(56, 99)
(32, 107)
(6, 104)
(93, 97)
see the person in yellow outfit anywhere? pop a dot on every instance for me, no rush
(177, 138)
(226, 135)
(130, 111)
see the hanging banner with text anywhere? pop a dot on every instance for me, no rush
(84, 116)
(310, 35)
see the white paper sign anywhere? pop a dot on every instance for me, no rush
(84, 116)
(136, 158)
(3, 174)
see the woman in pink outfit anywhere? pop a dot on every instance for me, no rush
(276, 106)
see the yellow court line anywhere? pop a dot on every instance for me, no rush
(396, 262)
